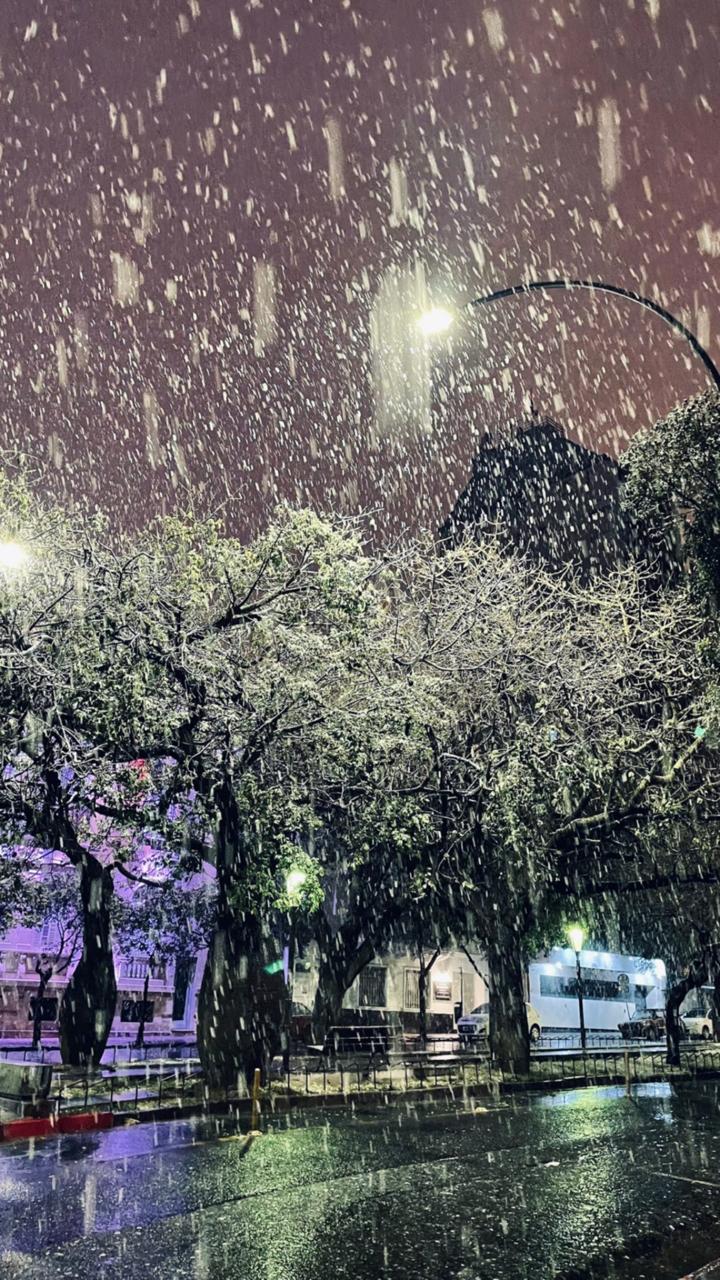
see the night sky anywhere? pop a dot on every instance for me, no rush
(154, 151)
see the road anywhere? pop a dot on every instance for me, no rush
(530, 1187)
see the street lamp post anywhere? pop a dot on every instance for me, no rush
(294, 883)
(576, 934)
(438, 319)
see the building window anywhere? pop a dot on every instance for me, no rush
(48, 936)
(48, 1009)
(412, 989)
(138, 969)
(442, 989)
(132, 1010)
(598, 984)
(372, 987)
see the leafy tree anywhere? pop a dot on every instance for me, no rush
(71, 689)
(250, 647)
(160, 923)
(672, 483)
(47, 636)
(577, 714)
(49, 901)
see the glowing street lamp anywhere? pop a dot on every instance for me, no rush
(13, 555)
(436, 320)
(576, 936)
(294, 882)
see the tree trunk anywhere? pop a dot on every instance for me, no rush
(44, 976)
(140, 1037)
(340, 963)
(509, 1035)
(88, 1006)
(424, 971)
(241, 1007)
(674, 998)
(422, 1003)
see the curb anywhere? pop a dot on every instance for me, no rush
(47, 1126)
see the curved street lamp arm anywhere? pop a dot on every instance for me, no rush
(542, 286)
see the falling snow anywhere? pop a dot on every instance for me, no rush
(609, 143)
(362, 595)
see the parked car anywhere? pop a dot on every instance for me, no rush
(646, 1024)
(698, 1022)
(474, 1025)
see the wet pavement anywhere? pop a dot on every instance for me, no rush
(540, 1186)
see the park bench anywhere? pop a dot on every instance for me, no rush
(439, 1065)
(353, 1047)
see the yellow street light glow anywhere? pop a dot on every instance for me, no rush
(294, 881)
(12, 555)
(436, 320)
(576, 934)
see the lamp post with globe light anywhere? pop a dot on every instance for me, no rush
(294, 883)
(576, 936)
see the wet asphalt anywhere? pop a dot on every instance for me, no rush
(575, 1184)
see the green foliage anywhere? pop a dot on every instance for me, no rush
(431, 742)
(673, 484)
(165, 922)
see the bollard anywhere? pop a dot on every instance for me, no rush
(626, 1055)
(255, 1109)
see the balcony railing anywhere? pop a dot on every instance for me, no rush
(137, 969)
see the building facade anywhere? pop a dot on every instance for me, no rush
(171, 996)
(457, 982)
(614, 987)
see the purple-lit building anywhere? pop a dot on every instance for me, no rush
(172, 989)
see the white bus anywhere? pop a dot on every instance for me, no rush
(614, 987)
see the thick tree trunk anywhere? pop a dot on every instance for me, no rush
(88, 1006)
(509, 1035)
(44, 976)
(340, 964)
(241, 1007)
(676, 993)
(422, 1003)
(140, 1037)
(424, 971)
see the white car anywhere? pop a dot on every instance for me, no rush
(698, 1022)
(474, 1026)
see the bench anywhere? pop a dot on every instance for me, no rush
(356, 1047)
(447, 1064)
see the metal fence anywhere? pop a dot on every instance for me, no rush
(403, 1071)
(121, 1051)
(130, 1089)
(139, 1085)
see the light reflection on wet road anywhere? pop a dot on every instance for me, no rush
(533, 1187)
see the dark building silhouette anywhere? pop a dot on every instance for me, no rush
(553, 500)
